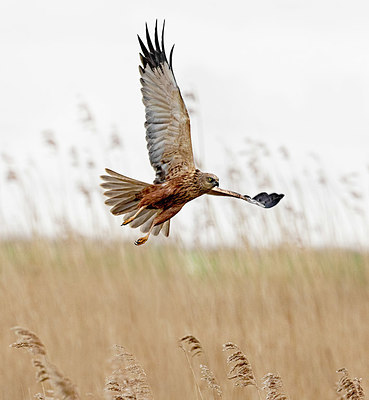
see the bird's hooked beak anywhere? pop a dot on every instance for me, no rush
(216, 183)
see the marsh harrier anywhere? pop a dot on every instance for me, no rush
(168, 136)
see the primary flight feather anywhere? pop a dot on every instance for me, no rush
(168, 136)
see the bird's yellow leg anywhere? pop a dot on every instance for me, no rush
(127, 221)
(143, 239)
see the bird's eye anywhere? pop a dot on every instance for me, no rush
(210, 179)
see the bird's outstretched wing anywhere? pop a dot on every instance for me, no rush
(167, 123)
(262, 199)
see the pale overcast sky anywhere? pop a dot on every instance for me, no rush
(287, 71)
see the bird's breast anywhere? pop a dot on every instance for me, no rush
(177, 191)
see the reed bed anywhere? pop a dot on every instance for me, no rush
(300, 314)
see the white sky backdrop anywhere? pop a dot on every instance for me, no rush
(291, 73)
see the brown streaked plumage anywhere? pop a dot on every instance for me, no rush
(168, 137)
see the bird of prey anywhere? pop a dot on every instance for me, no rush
(168, 136)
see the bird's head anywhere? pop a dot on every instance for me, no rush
(208, 181)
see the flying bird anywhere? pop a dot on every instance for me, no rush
(168, 136)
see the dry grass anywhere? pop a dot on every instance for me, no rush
(299, 312)
(349, 389)
(128, 379)
(274, 387)
(61, 387)
(241, 372)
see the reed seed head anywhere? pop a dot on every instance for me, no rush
(189, 344)
(240, 368)
(208, 376)
(272, 384)
(128, 380)
(349, 389)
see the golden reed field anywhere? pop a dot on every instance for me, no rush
(299, 314)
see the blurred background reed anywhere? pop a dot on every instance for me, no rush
(56, 191)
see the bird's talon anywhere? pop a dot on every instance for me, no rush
(141, 241)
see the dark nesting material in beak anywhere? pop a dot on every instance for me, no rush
(268, 200)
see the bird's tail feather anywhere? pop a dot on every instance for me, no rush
(124, 197)
(145, 219)
(123, 193)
